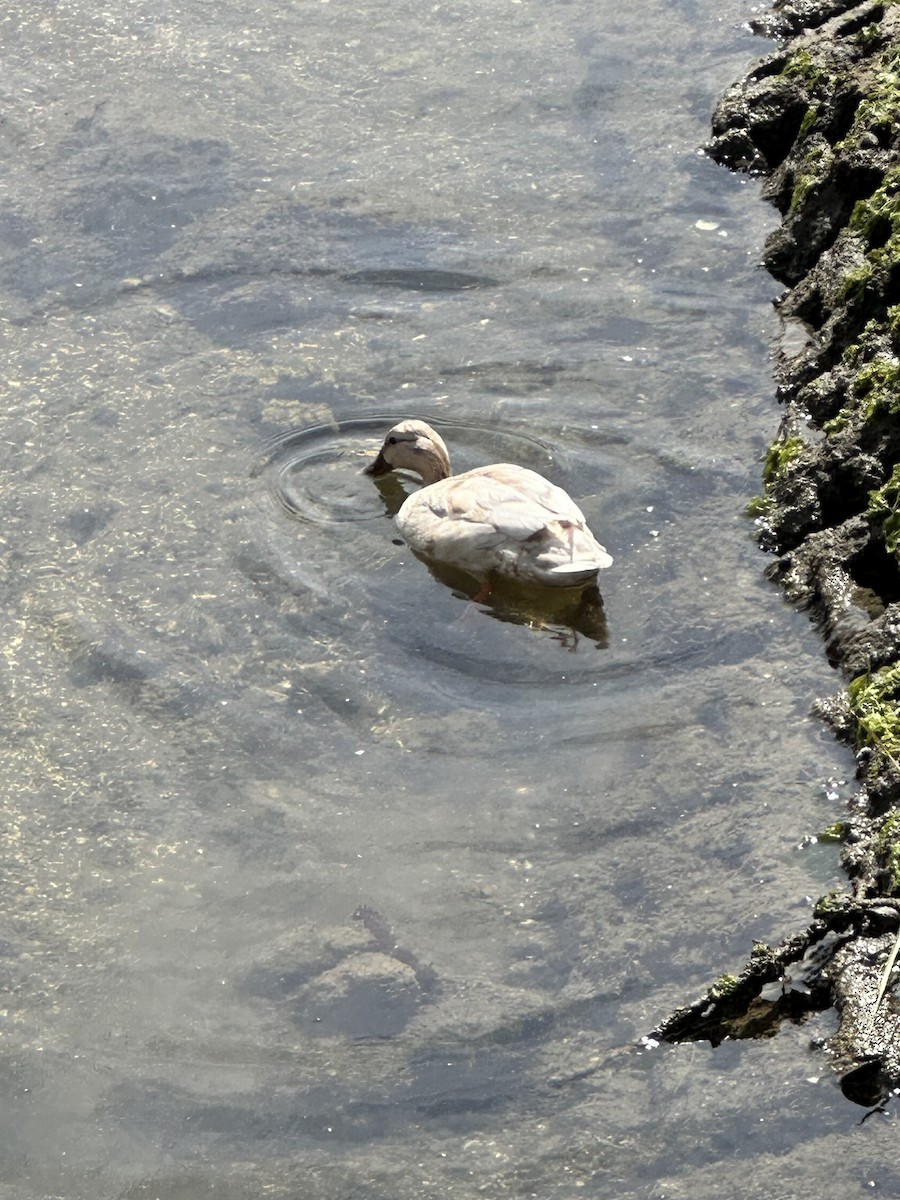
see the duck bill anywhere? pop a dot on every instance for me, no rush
(380, 466)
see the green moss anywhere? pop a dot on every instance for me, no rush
(851, 354)
(876, 219)
(855, 283)
(870, 37)
(837, 424)
(808, 124)
(835, 833)
(865, 381)
(759, 506)
(875, 386)
(879, 111)
(884, 509)
(816, 163)
(878, 384)
(803, 66)
(875, 705)
(877, 370)
(831, 903)
(724, 986)
(803, 185)
(780, 453)
(887, 852)
(871, 342)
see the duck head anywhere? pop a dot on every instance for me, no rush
(413, 446)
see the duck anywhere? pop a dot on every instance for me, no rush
(500, 520)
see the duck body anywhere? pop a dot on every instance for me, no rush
(500, 519)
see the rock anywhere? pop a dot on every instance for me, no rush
(820, 119)
(352, 980)
(367, 995)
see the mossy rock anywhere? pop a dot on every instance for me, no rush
(780, 455)
(884, 510)
(887, 853)
(875, 708)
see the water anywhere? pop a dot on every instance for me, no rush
(321, 877)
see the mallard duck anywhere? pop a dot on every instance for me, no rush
(498, 520)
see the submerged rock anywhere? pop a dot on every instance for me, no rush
(353, 980)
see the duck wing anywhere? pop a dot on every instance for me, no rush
(506, 517)
(539, 526)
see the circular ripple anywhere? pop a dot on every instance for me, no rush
(429, 635)
(315, 473)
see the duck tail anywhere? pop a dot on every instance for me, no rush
(582, 566)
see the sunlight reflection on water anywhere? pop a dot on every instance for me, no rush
(238, 714)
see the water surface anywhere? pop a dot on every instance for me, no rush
(321, 879)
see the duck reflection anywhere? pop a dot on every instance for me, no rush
(568, 614)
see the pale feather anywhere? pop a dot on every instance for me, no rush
(502, 518)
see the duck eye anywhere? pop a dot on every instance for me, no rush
(392, 441)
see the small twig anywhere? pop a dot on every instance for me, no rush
(883, 982)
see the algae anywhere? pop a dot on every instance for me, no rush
(884, 510)
(780, 454)
(801, 65)
(834, 903)
(814, 168)
(875, 708)
(878, 384)
(836, 832)
(887, 851)
(724, 986)
(855, 283)
(820, 118)
(875, 219)
(809, 122)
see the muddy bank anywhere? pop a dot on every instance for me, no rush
(820, 121)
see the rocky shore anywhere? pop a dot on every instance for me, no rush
(819, 120)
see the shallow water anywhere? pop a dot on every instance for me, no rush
(323, 878)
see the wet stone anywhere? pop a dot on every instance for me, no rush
(366, 996)
(818, 118)
(353, 980)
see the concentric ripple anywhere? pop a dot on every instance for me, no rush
(329, 532)
(315, 472)
(332, 535)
